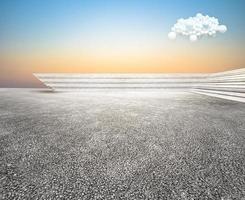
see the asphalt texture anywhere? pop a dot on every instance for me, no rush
(120, 145)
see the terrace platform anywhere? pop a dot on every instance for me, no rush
(228, 85)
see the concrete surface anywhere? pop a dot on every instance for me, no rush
(120, 145)
(227, 85)
(70, 81)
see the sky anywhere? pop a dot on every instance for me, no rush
(113, 36)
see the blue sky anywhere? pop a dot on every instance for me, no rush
(89, 35)
(33, 19)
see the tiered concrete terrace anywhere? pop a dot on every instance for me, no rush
(230, 84)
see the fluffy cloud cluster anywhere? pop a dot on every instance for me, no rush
(197, 27)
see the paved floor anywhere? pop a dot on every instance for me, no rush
(159, 145)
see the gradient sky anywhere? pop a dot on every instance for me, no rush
(113, 36)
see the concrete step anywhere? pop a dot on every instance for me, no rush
(223, 88)
(136, 81)
(235, 96)
(228, 85)
(229, 72)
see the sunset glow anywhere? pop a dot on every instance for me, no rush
(113, 37)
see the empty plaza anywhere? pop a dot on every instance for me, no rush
(163, 144)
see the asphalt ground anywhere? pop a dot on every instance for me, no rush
(120, 145)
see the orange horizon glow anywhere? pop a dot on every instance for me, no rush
(184, 59)
(113, 37)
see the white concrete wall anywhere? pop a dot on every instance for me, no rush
(228, 84)
(83, 81)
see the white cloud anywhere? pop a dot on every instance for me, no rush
(197, 27)
(172, 35)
